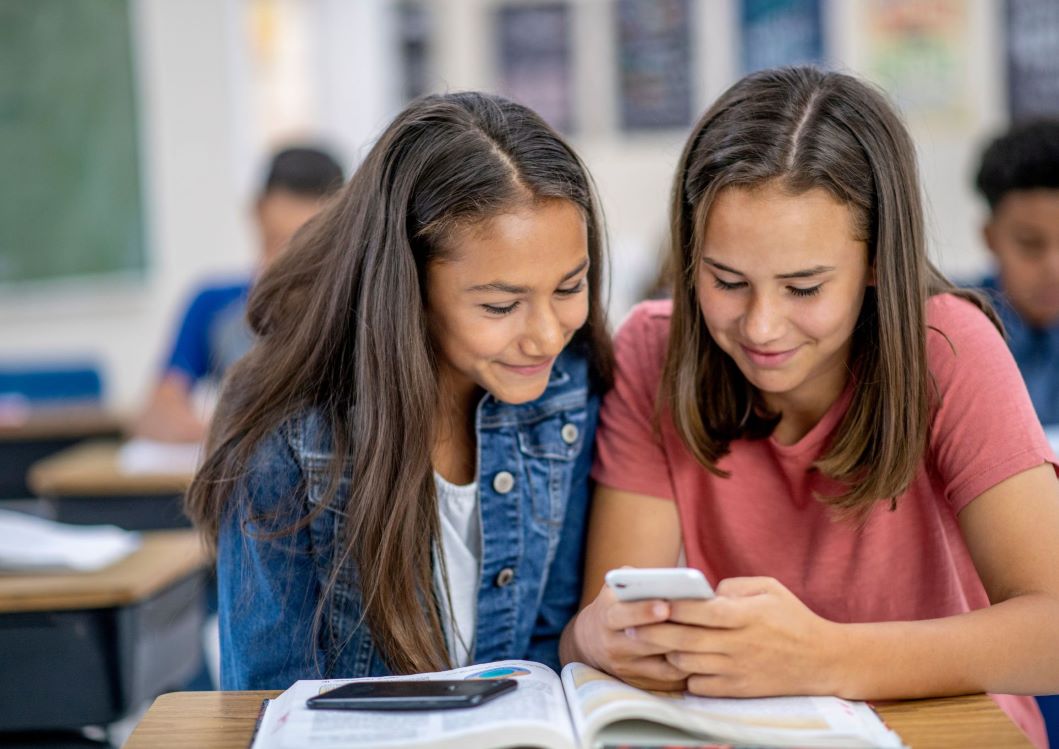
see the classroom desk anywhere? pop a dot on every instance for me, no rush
(45, 431)
(225, 720)
(83, 484)
(85, 648)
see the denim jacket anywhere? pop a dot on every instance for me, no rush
(533, 485)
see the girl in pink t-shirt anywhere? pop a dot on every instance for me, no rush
(827, 428)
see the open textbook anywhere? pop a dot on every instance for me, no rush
(585, 709)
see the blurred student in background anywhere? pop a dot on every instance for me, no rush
(214, 333)
(1019, 177)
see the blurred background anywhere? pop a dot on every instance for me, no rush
(134, 133)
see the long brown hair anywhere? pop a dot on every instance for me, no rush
(805, 128)
(342, 330)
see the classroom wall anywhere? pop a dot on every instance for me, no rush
(203, 140)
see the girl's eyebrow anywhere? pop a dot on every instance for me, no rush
(816, 270)
(506, 288)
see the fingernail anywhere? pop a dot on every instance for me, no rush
(630, 632)
(660, 609)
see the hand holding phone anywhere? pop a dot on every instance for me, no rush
(669, 583)
(410, 695)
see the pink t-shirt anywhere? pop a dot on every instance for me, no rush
(910, 564)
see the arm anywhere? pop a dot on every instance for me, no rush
(267, 587)
(1012, 532)
(625, 529)
(757, 639)
(169, 415)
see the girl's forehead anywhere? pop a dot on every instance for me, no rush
(771, 225)
(523, 246)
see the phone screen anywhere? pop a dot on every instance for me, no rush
(410, 695)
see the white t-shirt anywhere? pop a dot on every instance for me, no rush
(461, 545)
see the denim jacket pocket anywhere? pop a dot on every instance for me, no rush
(551, 446)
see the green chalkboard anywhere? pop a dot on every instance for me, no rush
(70, 198)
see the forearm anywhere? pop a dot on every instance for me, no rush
(569, 649)
(169, 415)
(1011, 647)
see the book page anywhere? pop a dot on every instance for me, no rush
(534, 714)
(599, 703)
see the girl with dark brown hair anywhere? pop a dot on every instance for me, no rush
(396, 477)
(824, 426)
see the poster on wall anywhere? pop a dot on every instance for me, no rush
(534, 59)
(773, 33)
(917, 51)
(654, 63)
(1033, 58)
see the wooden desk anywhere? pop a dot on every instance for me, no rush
(84, 484)
(164, 558)
(43, 432)
(85, 649)
(225, 720)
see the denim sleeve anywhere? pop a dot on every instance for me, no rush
(267, 586)
(562, 593)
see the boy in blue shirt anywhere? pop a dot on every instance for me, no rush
(1019, 177)
(214, 333)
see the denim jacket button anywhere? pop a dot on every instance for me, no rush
(504, 577)
(503, 482)
(569, 433)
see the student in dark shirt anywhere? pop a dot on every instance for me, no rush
(213, 334)
(1019, 177)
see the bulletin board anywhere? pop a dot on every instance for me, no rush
(70, 186)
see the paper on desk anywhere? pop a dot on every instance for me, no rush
(140, 456)
(31, 543)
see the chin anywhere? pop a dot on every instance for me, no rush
(518, 396)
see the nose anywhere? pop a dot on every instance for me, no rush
(764, 320)
(544, 335)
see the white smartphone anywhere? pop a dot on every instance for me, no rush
(670, 583)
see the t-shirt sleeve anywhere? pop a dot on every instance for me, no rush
(190, 352)
(630, 455)
(985, 429)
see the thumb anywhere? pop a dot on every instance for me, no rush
(739, 587)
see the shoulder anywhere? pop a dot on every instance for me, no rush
(214, 296)
(285, 457)
(640, 343)
(648, 319)
(958, 330)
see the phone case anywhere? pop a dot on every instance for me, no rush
(669, 583)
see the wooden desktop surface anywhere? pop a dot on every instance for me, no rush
(57, 422)
(91, 469)
(164, 558)
(225, 720)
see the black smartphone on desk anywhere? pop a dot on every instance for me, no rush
(410, 695)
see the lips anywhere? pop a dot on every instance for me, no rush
(768, 359)
(528, 370)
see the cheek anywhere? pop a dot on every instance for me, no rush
(719, 309)
(574, 314)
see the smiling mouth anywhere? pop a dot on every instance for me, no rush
(769, 358)
(529, 369)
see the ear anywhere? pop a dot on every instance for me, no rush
(989, 235)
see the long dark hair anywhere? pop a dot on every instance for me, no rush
(342, 330)
(805, 128)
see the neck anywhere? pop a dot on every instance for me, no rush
(801, 411)
(454, 452)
